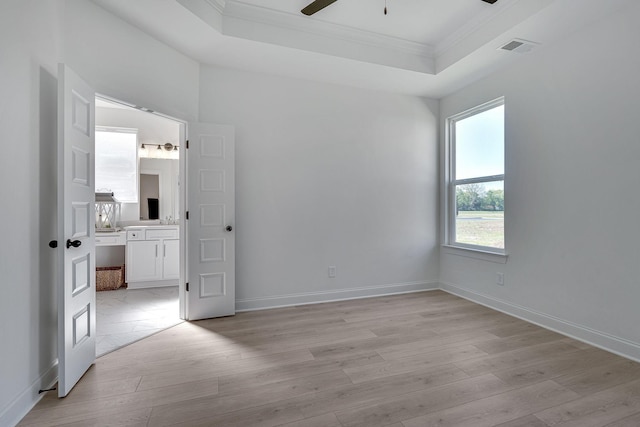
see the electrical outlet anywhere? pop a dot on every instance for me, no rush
(332, 271)
(500, 279)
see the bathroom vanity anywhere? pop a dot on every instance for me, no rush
(152, 256)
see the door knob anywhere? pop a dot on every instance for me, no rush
(53, 244)
(229, 228)
(74, 243)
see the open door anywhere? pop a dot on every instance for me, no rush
(76, 219)
(210, 224)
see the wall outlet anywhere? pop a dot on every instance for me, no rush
(332, 271)
(500, 279)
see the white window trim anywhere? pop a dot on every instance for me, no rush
(474, 252)
(450, 246)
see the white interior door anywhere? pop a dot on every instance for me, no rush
(76, 219)
(210, 226)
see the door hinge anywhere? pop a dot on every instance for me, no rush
(187, 287)
(186, 216)
(187, 144)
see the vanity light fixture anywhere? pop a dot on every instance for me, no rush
(167, 150)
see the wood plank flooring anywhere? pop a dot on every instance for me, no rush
(413, 360)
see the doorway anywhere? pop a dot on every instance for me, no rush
(139, 261)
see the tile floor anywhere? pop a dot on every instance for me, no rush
(128, 315)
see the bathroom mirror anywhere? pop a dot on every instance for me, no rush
(159, 189)
(149, 192)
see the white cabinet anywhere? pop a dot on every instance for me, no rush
(153, 257)
(143, 263)
(171, 259)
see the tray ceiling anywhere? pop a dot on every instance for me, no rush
(421, 47)
(423, 21)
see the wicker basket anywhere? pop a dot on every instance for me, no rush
(109, 278)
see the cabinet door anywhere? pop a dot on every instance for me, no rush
(143, 261)
(171, 259)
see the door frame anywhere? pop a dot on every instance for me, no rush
(182, 206)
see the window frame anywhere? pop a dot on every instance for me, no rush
(485, 252)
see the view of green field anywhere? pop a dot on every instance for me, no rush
(484, 228)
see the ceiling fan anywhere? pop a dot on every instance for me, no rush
(318, 5)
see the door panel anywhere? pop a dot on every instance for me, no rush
(210, 228)
(76, 218)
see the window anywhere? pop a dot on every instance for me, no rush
(476, 178)
(117, 163)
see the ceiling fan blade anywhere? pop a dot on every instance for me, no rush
(316, 6)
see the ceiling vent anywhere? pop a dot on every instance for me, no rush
(519, 46)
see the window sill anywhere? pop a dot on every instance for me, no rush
(475, 254)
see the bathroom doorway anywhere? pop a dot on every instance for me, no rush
(139, 260)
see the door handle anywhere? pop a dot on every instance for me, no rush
(53, 244)
(229, 228)
(75, 243)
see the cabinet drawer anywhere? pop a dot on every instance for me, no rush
(168, 233)
(114, 239)
(135, 235)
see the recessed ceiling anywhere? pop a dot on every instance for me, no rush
(421, 21)
(421, 47)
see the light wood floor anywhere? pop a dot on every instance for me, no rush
(414, 360)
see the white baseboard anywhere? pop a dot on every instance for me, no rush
(25, 401)
(276, 301)
(611, 343)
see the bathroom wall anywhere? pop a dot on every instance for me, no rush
(153, 130)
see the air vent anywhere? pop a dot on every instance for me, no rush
(518, 46)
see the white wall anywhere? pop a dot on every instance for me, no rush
(572, 152)
(29, 53)
(152, 129)
(327, 175)
(120, 61)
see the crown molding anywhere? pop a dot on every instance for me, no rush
(478, 22)
(218, 5)
(211, 12)
(296, 22)
(242, 20)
